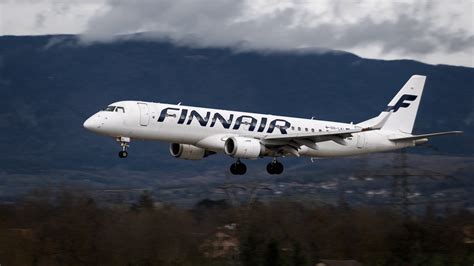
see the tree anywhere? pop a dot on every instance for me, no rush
(272, 254)
(248, 251)
(297, 256)
(145, 201)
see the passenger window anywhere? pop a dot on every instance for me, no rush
(299, 128)
(312, 130)
(292, 128)
(306, 129)
(120, 109)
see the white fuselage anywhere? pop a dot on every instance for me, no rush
(209, 128)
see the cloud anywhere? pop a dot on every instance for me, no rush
(179, 19)
(413, 29)
(38, 17)
(39, 20)
(433, 31)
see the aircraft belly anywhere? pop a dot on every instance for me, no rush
(331, 149)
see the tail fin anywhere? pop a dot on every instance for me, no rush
(404, 106)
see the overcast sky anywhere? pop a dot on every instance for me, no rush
(431, 31)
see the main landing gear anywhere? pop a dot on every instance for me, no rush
(124, 143)
(275, 167)
(238, 168)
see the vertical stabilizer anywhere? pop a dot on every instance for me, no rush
(404, 106)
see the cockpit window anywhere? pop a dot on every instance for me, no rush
(109, 108)
(120, 109)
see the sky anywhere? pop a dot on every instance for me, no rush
(431, 31)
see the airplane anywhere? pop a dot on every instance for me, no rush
(195, 133)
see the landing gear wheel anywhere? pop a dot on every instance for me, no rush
(275, 168)
(278, 168)
(233, 168)
(238, 168)
(123, 154)
(124, 143)
(241, 168)
(271, 168)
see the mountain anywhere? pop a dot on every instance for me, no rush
(51, 84)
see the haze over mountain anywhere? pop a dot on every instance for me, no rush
(51, 84)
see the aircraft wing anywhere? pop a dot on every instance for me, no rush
(290, 143)
(415, 137)
(315, 136)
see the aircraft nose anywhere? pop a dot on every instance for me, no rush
(90, 123)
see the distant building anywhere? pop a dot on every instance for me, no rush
(338, 263)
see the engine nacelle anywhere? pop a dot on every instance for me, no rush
(244, 148)
(188, 152)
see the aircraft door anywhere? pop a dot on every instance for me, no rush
(360, 140)
(144, 114)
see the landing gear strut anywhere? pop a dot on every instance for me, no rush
(275, 167)
(124, 143)
(238, 168)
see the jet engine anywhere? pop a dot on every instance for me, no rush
(243, 148)
(188, 152)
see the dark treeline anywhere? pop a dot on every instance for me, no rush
(73, 229)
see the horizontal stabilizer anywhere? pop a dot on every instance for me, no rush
(415, 137)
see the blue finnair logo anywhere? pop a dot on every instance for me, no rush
(403, 102)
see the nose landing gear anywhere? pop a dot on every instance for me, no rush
(124, 143)
(238, 168)
(123, 154)
(275, 167)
